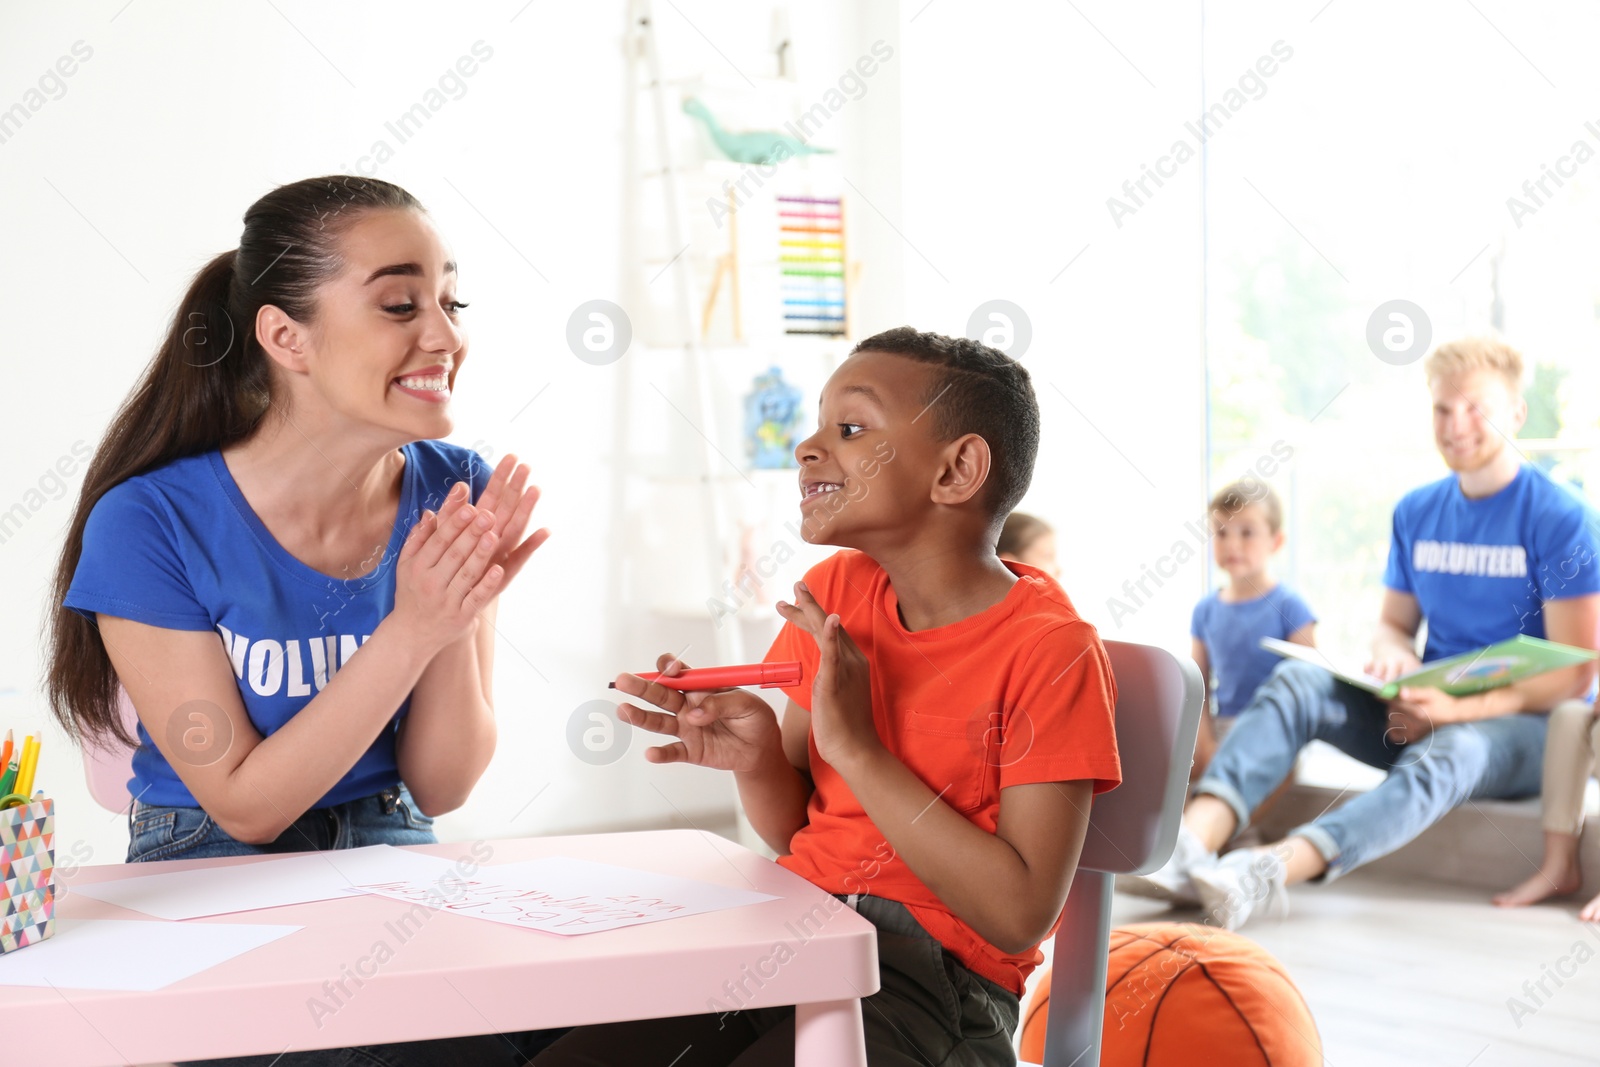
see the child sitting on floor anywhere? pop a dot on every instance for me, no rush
(1228, 625)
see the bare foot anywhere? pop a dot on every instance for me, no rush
(1591, 911)
(1543, 886)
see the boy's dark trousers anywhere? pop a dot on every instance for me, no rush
(930, 1011)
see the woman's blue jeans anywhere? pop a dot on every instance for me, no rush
(388, 818)
(1299, 703)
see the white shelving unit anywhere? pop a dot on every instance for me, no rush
(698, 514)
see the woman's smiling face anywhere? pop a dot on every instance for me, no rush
(389, 317)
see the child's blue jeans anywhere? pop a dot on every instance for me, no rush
(1300, 703)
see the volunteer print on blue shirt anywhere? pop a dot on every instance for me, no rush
(180, 547)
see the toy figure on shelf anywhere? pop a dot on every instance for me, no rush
(755, 146)
(772, 417)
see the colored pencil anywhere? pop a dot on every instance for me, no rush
(30, 763)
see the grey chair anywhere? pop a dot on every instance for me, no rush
(1132, 830)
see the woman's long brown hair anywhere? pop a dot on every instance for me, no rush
(209, 386)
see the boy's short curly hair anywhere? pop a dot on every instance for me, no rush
(975, 389)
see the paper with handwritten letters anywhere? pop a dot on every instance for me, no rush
(562, 895)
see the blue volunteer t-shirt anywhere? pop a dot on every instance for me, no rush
(1481, 570)
(180, 547)
(1232, 635)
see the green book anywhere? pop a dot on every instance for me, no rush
(1471, 672)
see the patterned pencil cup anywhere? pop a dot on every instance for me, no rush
(27, 874)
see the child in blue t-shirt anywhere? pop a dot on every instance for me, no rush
(1228, 625)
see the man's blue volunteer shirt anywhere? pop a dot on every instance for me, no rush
(1481, 570)
(180, 547)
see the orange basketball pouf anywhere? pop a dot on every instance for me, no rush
(1186, 995)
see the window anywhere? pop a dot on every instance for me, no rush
(1374, 154)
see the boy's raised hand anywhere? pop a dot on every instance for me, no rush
(728, 729)
(841, 694)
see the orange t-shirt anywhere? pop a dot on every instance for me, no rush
(1019, 693)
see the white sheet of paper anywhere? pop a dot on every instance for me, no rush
(128, 954)
(204, 891)
(562, 895)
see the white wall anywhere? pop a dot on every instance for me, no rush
(1021, 120)
(1018, 122)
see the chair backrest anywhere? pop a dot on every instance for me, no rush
(110, 768)
(1132, 830)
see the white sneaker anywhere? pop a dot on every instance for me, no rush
(1172, 881)
(1242, 885)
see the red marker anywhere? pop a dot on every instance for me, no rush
(766, 675)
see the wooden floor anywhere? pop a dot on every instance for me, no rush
(1417, 974)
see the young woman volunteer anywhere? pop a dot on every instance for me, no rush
(292, 577)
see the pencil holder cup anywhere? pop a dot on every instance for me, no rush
(27, 874)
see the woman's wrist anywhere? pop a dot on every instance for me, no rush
(415, 647)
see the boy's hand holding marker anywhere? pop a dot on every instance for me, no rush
(728, 729)
(735, 730)
(841, 694)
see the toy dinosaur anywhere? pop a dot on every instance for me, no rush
(758, 147)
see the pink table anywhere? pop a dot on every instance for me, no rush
(454, 975)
